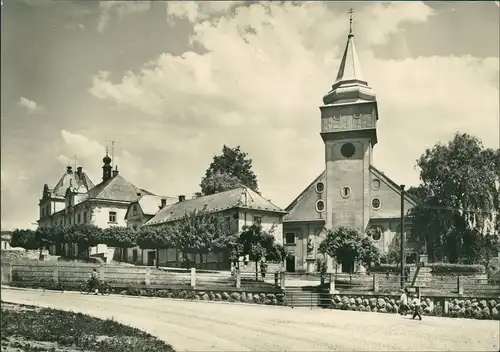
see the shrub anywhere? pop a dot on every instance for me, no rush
(449, 268)
(437, 268)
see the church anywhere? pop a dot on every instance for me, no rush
(350, 192)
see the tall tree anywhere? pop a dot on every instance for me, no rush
(84, 236)
(259, 244)
(458, 199)
(348, 245)
(120, 237)
(228, 171)
(157, 237)
(24, 238)
(200, 233)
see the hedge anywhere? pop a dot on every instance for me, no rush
(437, 268)
(449, 268)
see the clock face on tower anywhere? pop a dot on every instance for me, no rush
(347, 150)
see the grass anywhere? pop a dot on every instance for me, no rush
(30, 329)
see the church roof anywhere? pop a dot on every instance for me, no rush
(303, 208)
(213, 203)
(74, 180)
(350, 85)
(117, 188)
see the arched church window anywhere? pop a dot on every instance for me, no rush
(320, 187)
(347, 150)
(320, 206)
(376, 184)
(376, 203)
(345, 192)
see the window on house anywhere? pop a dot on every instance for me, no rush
(227, 219)
(79, 218)
(257, 220)
(84, 217)
(134, 227)
(134, 209)
(290, 238)
(112, 216)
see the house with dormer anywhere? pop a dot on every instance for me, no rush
(351, 191)
(76, 200)
(239, 207)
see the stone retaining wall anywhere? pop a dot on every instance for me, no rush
(243, 297)
(477, 308)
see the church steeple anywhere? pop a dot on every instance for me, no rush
(350, 85)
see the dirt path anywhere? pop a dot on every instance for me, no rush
(209, 326)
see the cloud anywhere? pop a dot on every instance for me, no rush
(120, 9)
(30, 105)
(261, 73)
(194, 11)
(89, 154)
(79, 26)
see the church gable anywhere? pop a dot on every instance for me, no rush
(310, 204)
(385, 196)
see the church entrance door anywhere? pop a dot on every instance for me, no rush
(290, 264)
(348, 266)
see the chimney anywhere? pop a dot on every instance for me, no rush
(163, 203)
(182, 198)
(115, 171)
(69, 169)
(79, 170)
(198, 195)
(139, 194)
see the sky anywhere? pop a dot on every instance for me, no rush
(171, 83)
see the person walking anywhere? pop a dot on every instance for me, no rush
(416, 307)
(403, 306)
(263, 270)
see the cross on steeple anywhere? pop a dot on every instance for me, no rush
(350, 12)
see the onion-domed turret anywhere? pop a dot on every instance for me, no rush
(106, 168)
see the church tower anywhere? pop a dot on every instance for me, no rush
(348, 128)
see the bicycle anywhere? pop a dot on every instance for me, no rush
(103, 288)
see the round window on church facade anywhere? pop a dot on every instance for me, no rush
(320, 187)
(376, 184)
(347, 150)
(320, 206)
(345, 192)
(376, 203)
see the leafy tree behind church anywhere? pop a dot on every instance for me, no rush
(457, 201)
(229, 171)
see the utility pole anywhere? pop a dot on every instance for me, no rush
(403, 235)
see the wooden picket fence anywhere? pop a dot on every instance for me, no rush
(71, 273)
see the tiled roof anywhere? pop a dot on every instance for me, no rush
(118, 189)
(214, 203)
(77, 181)
(150, 204)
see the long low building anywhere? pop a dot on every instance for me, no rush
(239, 207)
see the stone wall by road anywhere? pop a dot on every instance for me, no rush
(478, 308)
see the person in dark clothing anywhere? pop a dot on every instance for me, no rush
(94, 281)
(416, 307)
(263, 270)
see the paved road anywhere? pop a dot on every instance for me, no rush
(210, 326)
